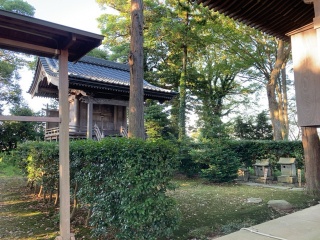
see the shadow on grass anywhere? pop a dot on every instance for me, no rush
(22, 216)
(217, 209)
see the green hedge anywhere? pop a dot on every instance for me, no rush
(210, 158)
(123, 180)
(250, 151)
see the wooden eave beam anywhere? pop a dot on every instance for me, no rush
(27, 47)
(30, 119)
(69, 42)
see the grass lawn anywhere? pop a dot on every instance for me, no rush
(207, 210)
(210, 210)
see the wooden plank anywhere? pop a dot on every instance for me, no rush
(29, 119)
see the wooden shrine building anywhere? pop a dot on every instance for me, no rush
(98, 96)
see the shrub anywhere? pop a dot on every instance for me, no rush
(41, 163)
(125, 181)
(222, 163)
(187, 165)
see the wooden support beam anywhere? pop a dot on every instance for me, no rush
(27, 47)
(29, 119)
(87, 99)
(64, 171)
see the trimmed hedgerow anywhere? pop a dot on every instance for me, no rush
(124, 181)
(250, 151)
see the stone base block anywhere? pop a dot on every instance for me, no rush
(287, 179)
(262, 180)
(72, 237)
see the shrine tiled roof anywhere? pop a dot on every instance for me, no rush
(94, 75)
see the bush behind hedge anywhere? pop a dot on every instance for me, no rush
(219, 162)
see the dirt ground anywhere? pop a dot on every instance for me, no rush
(20, 216)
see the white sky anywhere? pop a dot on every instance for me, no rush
(80, 14)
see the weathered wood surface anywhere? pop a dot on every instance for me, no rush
(306, 64)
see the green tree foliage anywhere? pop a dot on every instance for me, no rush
(98, 53)
(214, 62)
(170, 37)
(12, 132)
(10, 62)
(257, 129)
(17, 6)
(268, 57)
(157, 122)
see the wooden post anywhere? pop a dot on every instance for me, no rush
(64, 147)
(89, 120)
(115, 118)
(77, 113)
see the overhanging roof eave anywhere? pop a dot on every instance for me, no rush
(42, 38)
(274, 17)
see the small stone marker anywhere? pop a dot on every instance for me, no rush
(280, 205)
(299, 177)
(254, 200)
(265, 175)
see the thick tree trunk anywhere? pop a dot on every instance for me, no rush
(183, 95)
(136, 119)
(284, 105)
(311, 147)
(274, 108)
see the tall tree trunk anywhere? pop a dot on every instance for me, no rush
(311, 147)
(183, 95)
(274, 111)
(284, 115)
(136, 119)
(282, 56)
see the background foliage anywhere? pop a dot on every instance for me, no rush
(202, 157)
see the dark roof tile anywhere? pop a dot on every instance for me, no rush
(98, 73)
